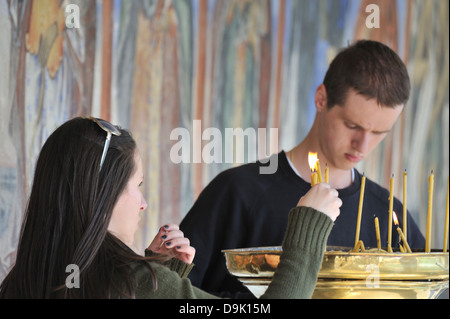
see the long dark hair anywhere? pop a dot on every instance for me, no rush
(67, 217)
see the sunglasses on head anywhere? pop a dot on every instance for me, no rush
(110, 130)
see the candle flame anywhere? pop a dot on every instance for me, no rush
(394, 217)
(312, 161)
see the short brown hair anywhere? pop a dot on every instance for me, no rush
(371, 69)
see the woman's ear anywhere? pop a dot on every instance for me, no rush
(320, 98)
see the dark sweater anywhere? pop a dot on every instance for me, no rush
(242, 208)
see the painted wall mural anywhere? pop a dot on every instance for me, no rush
(156, 65)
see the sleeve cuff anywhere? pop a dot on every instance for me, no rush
(174, 264)
(308, 229)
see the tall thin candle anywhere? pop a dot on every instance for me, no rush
(430, 212)
(319, 172)
(405, 209)
(377, 232)
(446, 224)
(327, 174)
(391, 208)
(403, 237)
(361, 199)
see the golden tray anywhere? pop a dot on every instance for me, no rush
(346, 274)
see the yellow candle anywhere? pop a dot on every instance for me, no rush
(312, 160)
(446, 224)
(327, 178)
(405, 210)
(313, 178)
(377, 231)
(359, 245)
(405, 243)
(361, 199)
(319, 172)
(430, 212)
(391, 208)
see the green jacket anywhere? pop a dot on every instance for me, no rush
(296, 276)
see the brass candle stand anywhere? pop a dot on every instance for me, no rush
(346, 274)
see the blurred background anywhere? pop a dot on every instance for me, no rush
(155, 65)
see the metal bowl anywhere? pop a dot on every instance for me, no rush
(346, 274)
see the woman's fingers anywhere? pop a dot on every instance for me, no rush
(164, 234)
(324, 199)
(170, 240)
(185, 253)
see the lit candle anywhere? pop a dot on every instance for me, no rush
(405, 211)
(402, 236)
(327, 178)
(391, 207)
(446, 224)
(377, 231)
(313, 178)
(405, 243)
(312, 161)
(361, 199)
(319, 172)
(430, 212)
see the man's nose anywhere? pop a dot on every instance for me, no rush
(360, 141)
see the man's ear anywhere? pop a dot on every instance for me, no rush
(320, 98)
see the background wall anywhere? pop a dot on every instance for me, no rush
(155, 65)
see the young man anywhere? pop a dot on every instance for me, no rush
(364, 92)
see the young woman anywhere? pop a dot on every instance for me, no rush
(84, 210)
